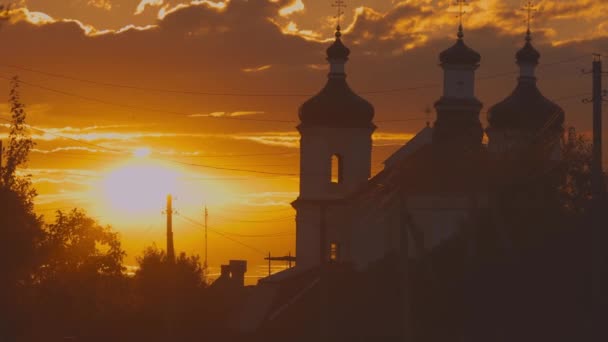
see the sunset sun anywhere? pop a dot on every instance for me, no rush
(140, 186)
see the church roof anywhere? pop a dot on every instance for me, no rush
(460, 53)
(527, 54)
(337, 105)
(422, 138)
(337, 50)
(526, 107)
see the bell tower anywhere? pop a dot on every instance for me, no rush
(335, 151)
(458, 126)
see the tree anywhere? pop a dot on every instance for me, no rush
(576, 180)
(81, 274)
(155, 269)
(20, 228)
(17, 152)
(76, 243)
(169, 293)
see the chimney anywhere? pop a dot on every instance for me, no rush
(225, 271)
(238, 268)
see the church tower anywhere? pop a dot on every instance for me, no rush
(457, 127)
(335, 151)
(525, 118)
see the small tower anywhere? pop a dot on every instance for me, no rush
(458, 127)
(335, 150)
(525, 118)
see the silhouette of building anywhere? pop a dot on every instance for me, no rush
(336, 150)
(525, 118)
(232, 276)
(429, 190)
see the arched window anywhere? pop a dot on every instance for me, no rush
(336, 169)
(334, 251)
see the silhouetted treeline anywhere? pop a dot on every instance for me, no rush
(66, 280)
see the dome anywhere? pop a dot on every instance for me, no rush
(526, 108)
(528, 54)
(460, 53)
(337, 50)
(337, 106)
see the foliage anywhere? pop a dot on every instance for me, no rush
(17, 151)
(20, 228)
(155, 267)
(76, 243)
(576, 182)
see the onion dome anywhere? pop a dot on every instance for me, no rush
(460, 53)
(337, 50)
(336, 105)
(528, 54)
(526, 108)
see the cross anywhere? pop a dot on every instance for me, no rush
(529, 8)
(461, 10)
(340, 5)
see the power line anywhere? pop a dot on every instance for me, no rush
(281, 219)
(238, 94)
(194, 222)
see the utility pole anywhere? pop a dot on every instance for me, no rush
(1, 155)
(170, 246)
(269, 264)
(206, 242)
(598, 230)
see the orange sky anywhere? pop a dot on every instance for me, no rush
(172, 54)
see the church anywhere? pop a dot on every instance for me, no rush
(351, 224)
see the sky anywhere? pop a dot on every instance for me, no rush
(130, 99)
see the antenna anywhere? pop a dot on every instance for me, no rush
(205, 264)
(340, 5)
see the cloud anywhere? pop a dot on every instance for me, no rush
(225, 114)
(147, 3)
(294, 7)
(101, 4)
(257, 69)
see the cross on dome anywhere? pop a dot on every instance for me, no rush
(529, 8)
(340, 5)
(461, 12)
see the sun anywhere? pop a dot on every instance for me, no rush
(142, 152)
(140, 186)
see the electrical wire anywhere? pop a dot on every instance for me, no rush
(194, 222)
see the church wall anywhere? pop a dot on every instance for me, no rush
(308, 220)
(442, 216)
(318, 145)
(376, 232)
(459, 82)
